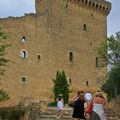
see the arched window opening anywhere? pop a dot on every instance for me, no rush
(23, 39)
(24, 54)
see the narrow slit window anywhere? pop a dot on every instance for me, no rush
(90, 43)
(71, 57)
(70, 81)
(66, 5)
(85, 27)
(96, 60)
(87, 84)
(38, 56)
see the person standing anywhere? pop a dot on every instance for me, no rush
(99, 107)
(60, 105)
(88, 99)
(78, 112)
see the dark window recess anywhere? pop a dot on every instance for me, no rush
(100, 7)
(86, 1)
(85, 27)
(23, 39)
(92, 14)
(90, 43)
(96, 5)
(38, 56)
(89, 2)
(60, 23)
(93, 4)
(23, 79)
(87, 84)
(71, 57)
(96, 59)
(70, 81)
(66, 5)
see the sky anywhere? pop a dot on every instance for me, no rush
(20, 7)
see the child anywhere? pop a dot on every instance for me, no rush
(59, 105)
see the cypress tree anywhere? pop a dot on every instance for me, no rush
(61, 86)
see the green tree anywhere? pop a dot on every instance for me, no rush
(61, 86)
(3, 63)
(111, 86)
(110, 53)
(102, 52)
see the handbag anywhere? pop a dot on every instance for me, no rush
(72, 104)
(89, 107)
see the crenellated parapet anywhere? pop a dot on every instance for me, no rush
(100, 6)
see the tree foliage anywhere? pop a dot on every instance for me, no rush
(61, 86)
(114, 49)
(3, 63)
(111, 86)
(3, 95)
(102, 52)
(110, 52)
(3, 60)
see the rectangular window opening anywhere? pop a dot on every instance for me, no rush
(71, 57)
(96, 61)
(38, 56)
(85, 27)
(23, 79)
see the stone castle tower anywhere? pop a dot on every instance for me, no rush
(62, 35)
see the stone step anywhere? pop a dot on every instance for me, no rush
(64, 113)
(51, 114)
(55, 117)
(114, 118)
(50, 111)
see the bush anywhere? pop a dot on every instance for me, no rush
(52, 104)
(11, 113)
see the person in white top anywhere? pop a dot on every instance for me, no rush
(60, 105)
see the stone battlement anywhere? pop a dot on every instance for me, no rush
(101, 6)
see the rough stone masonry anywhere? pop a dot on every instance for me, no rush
(61, 35)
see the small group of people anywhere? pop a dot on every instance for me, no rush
(100, 109)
